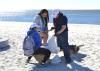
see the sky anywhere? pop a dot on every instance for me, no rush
(18, 5)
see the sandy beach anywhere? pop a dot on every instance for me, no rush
(87, 59)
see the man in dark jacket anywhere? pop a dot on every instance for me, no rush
(61, 32)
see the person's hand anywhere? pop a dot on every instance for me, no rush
(58, 33)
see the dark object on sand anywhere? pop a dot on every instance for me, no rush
(3, 42)
(74, 49)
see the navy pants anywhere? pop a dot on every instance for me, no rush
(62, 42)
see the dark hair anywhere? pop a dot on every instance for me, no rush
(44, 11)
(60, 14)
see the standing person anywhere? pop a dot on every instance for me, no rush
(42, 20)
(61, 32)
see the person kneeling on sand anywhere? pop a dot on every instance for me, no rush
(32, 46)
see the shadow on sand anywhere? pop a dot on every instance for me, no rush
(4, 48)
(62, 67)
(74, 66)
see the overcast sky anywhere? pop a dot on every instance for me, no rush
(17, 5)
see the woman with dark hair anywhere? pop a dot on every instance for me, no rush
(42, 20)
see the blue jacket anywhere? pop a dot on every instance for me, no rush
(36, 37)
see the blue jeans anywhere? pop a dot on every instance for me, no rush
(62, 42)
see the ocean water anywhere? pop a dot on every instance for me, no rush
(74, 16)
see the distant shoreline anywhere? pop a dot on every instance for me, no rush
(74, 16)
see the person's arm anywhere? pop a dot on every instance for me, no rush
(37, 20)
(64, 25)
(62, 29)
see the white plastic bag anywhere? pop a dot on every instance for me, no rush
(52, 45)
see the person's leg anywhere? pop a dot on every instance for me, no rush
(66, 44)
(44, 52)
(47, 55)
(63, 44)
(66, 51)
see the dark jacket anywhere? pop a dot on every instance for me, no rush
(58, 22)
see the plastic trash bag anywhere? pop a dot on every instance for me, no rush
(52, 45)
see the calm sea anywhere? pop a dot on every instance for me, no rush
(74, 16)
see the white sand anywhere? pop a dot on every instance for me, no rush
(88, 58)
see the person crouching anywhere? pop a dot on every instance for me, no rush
(40, 54)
